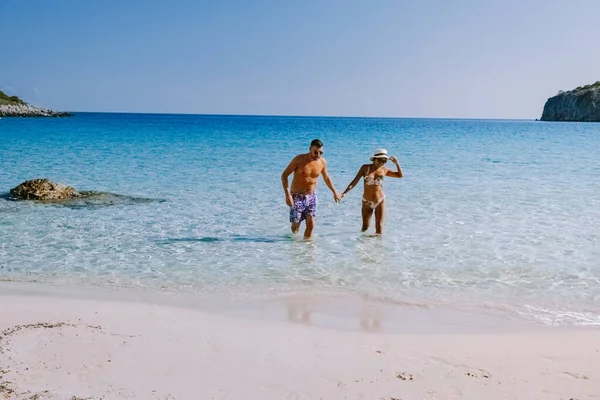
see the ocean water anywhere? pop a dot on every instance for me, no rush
(491, 215)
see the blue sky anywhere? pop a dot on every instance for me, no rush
(429, 58)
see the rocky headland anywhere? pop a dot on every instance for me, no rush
(581, 104)
(12, 106)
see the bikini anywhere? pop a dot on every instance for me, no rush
(373, 181)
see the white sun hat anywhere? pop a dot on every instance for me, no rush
(380, 153)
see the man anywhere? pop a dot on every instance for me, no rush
(302, 196)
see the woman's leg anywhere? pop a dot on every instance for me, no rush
(367, 211)
(379, 215)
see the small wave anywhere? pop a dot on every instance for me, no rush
(561, 317)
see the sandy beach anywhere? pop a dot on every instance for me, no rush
(54, 347)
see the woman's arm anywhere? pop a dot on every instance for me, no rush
(391, 173)
(352, 184)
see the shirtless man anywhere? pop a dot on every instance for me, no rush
(302, 196)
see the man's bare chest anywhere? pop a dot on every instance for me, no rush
(309, 170)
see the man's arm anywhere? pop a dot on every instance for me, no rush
(394, 174)
(336, 196)
(284, 180)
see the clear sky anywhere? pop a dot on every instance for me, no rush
(420, 58)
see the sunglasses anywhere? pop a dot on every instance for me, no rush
(381, 160)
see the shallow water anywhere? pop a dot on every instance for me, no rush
(494, 215)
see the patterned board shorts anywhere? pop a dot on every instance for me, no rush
(304, 205)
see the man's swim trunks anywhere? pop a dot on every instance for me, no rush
(304, 205)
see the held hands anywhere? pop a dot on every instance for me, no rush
(337, 197)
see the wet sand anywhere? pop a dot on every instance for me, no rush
(65, 347)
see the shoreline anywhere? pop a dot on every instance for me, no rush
(329, 310)
(64, 347)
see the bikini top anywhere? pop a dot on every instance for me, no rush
(373, 180)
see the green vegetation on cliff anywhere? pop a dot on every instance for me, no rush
(6, 100)
(12, 106)
(582, 88)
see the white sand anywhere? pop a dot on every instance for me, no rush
(122, 350)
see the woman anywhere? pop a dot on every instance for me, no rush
(373, 196)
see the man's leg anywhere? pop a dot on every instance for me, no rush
(310, 224)
(295, 227)
(310, 213)
(295, 216)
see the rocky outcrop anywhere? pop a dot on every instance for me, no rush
(580, 104)
(48, 192)
(42, 189)
(27, 110)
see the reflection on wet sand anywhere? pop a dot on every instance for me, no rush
(299, 313)
(370, 324)
(302, 266)
(370, 317)
(366, 317)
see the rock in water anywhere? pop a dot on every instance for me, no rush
(42, 189)
(580, 104)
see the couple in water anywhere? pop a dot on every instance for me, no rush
(301, 197)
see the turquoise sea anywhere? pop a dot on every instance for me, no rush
(492, 216)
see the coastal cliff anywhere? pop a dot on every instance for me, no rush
(12, 106)
(580, 104)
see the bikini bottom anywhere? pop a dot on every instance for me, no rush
(373, 204)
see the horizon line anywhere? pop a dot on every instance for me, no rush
(297, 115)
